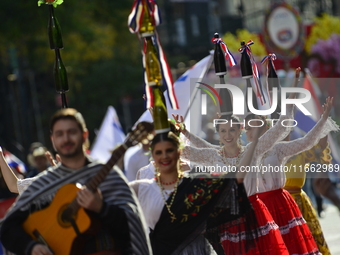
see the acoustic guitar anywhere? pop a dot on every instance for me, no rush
(61, 223)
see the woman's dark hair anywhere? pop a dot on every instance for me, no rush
(168, 137)
(228, 118)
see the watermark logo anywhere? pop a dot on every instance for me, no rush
(204, 97)
(239, 99)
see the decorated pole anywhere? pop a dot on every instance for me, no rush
(221, 53)
(249, 70)
(142, 20)
(272, 82)
(56, 43)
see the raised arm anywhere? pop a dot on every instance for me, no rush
(200, 156)
(278, 132)
(9, 176)
(324, 126)
(295, 82)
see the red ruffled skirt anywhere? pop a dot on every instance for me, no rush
(288, 217)
(268, 240)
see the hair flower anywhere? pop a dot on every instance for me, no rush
(55, 3)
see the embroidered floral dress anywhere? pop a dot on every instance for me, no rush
(268, 238)
(193, 204)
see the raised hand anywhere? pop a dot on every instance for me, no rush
(327, 107)
(180, 122)
(296, 81)
(51, 159)
(297, 73)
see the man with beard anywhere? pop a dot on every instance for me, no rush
(113, 208)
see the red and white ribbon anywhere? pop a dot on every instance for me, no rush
(226, 51)
(256, 75)
(166, 76)
(270, 60)
(137, 13)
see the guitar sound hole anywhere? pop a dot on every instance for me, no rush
(65, 216)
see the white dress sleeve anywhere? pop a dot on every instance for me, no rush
(199, 156)
(273, 135)
(291, 148)
(199, 142)
(22, 184)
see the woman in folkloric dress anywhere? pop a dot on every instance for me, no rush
(180, 207)
(279, 202)
(203, 154)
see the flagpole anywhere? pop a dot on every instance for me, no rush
(194, 94)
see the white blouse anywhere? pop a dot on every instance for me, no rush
(151, 200)
(275, 159)
(22, 184)
(209, 155)
(146, 172)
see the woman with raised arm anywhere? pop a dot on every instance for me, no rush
(271, 179)
(15, 184)
(180, 207)
(269, 240)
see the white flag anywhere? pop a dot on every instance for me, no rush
(188, 96)
(109, 136)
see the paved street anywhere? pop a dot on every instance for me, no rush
(330, 224)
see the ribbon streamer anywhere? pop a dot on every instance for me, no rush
(137, 13)
(166, 76)
(226, 51)
(270, 60)
(256, 74)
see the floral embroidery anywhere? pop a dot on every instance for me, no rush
(203, 193)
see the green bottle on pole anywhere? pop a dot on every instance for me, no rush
(160, 113)
(60, 75)
(152, 65)
(54, 31)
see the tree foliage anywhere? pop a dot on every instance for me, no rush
(102, 58)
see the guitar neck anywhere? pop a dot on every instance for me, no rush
(134, 137)
(94, 182)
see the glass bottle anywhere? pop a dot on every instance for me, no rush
(54, 31)
(246, 69)
(152, 65)
(160, 113)
(219, 59)
(60, 75)
(147, 28)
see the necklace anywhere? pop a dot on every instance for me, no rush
(167, 183)
(225, 157)
(168, 206)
